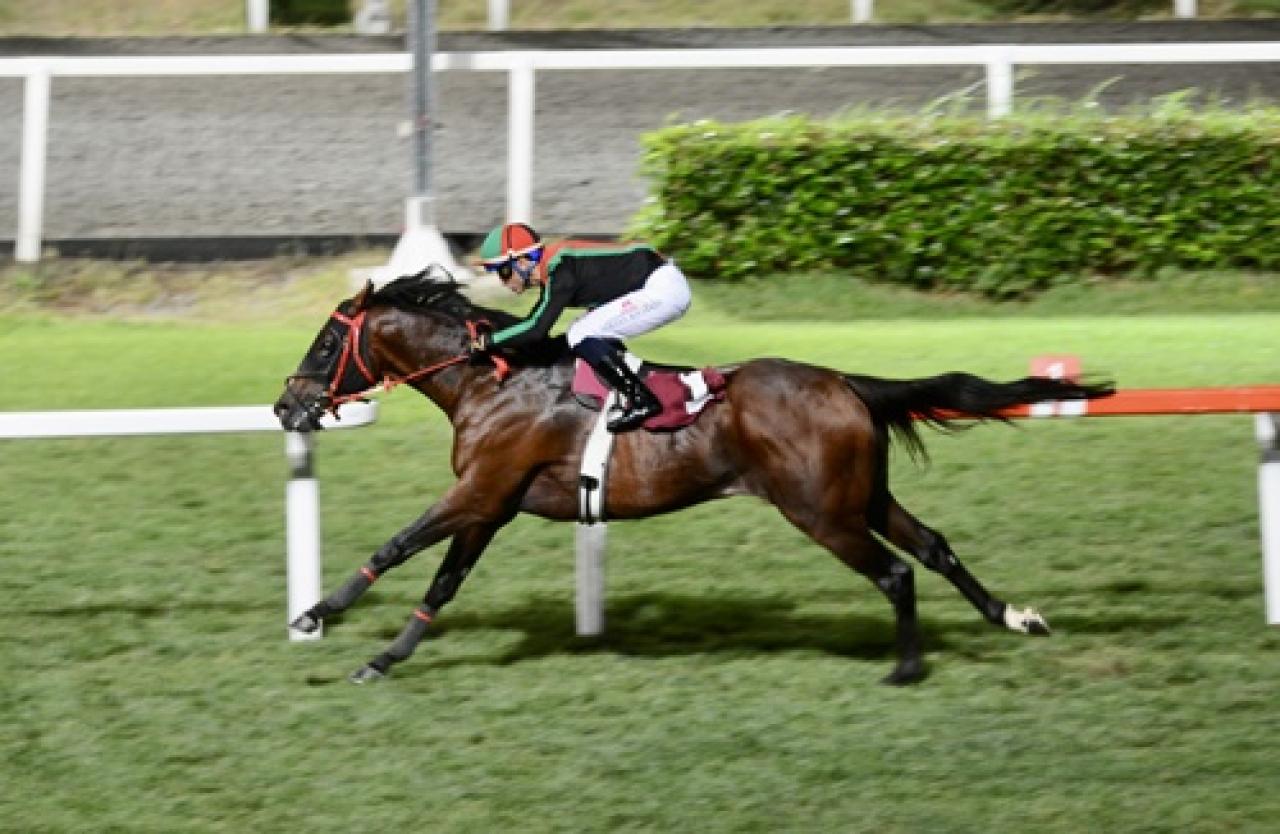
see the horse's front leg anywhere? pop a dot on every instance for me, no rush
(462, 506)
(464, 551)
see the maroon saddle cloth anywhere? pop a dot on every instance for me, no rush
(684, 392)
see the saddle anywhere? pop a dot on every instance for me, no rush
(684, 392)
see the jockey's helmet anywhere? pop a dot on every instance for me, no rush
(507, 242)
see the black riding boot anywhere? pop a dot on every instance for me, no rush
(607, 361)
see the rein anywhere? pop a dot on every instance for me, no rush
(351, 350)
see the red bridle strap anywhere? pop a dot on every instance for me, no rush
(351, 348)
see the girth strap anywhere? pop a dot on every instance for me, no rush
(593, 476)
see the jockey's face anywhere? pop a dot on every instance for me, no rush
(514, 282)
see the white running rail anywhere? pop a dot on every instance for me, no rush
(302, 493)
(999, 61)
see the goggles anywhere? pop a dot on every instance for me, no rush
(505, 268)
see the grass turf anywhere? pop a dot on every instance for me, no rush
(149, 687)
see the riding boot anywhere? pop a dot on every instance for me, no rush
(607, 361)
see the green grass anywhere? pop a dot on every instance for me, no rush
(148, 685)
(175, 17)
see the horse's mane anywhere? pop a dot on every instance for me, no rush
(423, 293)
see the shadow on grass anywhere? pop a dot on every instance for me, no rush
(1118, 622)
(667, 625)
(664, 625)
(143, 610)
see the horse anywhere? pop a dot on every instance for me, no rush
(810, 440)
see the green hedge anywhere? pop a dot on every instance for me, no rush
(1081, 8)
(1002, 207)
(310, 12)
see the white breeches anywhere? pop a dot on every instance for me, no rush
(663, 298)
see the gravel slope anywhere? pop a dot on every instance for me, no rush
(277, 156)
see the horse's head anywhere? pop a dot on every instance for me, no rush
(407, 331)
(337, 367)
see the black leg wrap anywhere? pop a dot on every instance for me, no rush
(897, 582)
(405, 643)
(408, 640)
(991, 608)
(350, 591)
(388, 556)
(939, 557)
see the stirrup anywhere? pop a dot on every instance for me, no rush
(632, 417)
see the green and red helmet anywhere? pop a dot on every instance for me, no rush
(508, 242)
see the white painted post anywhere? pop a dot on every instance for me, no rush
(1268, 433)
(861, 11)
(1184, 8)
(520, 108)
(302, 530)
(999, 84)
(589, 549)
(35, 130)
(258, 13)
(499, 15)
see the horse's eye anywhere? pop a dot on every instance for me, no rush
(327, 346)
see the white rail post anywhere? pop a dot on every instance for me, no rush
(35, 132)
(589, 552)
(520, 109)
(861, 11)
(302, 530)
(373, 18)
(999, 83)
(1268, 433)
(1184, 8)
(258, 14)
(499, 15)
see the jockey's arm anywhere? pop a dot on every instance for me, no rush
(553, 297)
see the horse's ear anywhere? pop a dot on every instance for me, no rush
(361, 299)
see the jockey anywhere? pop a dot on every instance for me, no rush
(630, 289)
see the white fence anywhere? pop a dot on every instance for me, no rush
(302, 493)
(999, 61)
(257, 12)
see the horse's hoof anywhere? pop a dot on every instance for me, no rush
(1026, 620)
(365, 674)
(906, 673)
(305, 624)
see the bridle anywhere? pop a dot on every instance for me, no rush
(352, 342)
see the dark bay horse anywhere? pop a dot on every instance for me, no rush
(812, 441)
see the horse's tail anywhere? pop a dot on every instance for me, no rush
(945, 399)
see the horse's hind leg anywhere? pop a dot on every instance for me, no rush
(464, 551)
(929, 546)
(860, 550)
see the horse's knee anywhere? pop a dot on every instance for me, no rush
(936, 554)
(898, 583)
(444, 589)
